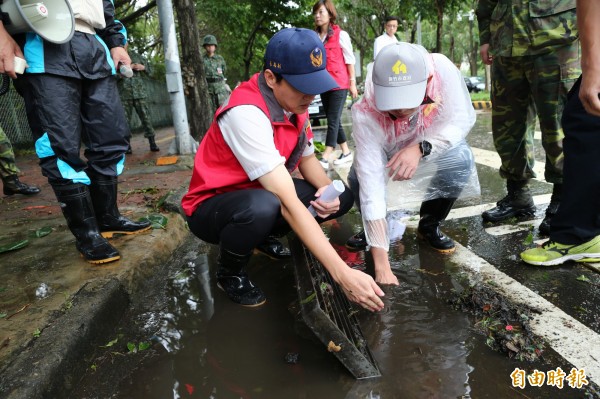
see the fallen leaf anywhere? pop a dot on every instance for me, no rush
(190, 388)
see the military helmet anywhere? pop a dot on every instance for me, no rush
(209, 39)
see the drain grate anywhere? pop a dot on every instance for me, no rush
(329, 314)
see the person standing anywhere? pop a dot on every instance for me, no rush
(242, 190)
(340, 64)
(575, 229)
(134, 97)
(388, 37)
(533, 48)
(412, 119)
(214, 70)
(71, 97)
(9, 171)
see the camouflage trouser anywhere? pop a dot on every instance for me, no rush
(218, 94)
(7, 157)
(520, 87)
(141, 107)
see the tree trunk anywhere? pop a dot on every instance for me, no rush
(192, 69)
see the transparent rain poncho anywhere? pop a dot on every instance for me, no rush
(448, 172)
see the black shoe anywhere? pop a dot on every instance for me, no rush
(240, 289)
(76, 205)
(506, 208)
(544, 227)
(103, 190)
(153, 146)
(437, 239)
(274, 249)
(357, 242)
(12, 185)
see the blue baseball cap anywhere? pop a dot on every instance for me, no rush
(298, 55)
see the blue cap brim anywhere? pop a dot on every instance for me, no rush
(312, 83)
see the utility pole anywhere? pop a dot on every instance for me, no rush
(183, 140)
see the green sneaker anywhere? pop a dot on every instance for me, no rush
(552, 253)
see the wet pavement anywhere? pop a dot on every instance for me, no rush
(58, 310)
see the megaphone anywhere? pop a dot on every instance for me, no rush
(51, 19)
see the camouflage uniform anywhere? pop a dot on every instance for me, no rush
(133, 95)
(8, 166)
(215, 69)
(535, 50)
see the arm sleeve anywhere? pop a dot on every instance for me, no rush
(370, 169)
(249, 134)
(457, 115)
(484, 12)
(346, 45)
(114, 34)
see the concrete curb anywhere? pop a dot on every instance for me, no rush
(49, 365)
(482, 104)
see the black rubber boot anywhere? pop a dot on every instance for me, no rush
(274, 249)
(103, 191)
(551, 210)
(12, 185)
(518, 202)
(232, 279)
(357, 242)
(76, 206)
(129, 150)
(153, 146)
(433, 212)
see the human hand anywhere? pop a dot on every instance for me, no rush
(323, 208)
(386, 277)
(486, 56)
(590, 90)
(353, 90)
(361, 289)
(120, 56)
(8, 50)
(138, 67)
(383, 269)
(403, 164)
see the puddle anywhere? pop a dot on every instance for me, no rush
(424, 347)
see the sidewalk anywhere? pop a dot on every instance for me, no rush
(51, 300)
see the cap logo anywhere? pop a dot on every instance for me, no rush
(400, 73)
(316, 57)
(275, 64)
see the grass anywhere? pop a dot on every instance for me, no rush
(481, 96)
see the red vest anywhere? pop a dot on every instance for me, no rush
(216, 169)
(336, 66)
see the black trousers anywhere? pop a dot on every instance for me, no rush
(241, 220)
(63, 113)
(578, 217)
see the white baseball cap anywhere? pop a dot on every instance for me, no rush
(400, 76)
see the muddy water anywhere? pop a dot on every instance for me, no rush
(423, 347)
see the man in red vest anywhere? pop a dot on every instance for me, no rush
(241, 191)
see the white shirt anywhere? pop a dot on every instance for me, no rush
(374, 134)
(249, 133)
(383, 41)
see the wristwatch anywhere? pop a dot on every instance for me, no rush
(425, 147)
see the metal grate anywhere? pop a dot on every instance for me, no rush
(329, 314)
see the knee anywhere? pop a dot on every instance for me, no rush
(346, 202)
(264, 206)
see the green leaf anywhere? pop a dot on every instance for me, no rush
(309, 298)
(158, 221)
(583, 278)
(44, 231)
(14, 246)
(36, 333)
(3, 315)
(162, 199)
(143, 346)
(529, 239)
(131, 347)
(110, 343)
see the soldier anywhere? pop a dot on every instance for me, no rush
(214, 69)
(534, 53)
(9, 171)
(133, 95)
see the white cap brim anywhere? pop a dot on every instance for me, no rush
(399, 97)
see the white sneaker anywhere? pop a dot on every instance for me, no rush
(343, 159)
(324, 164)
